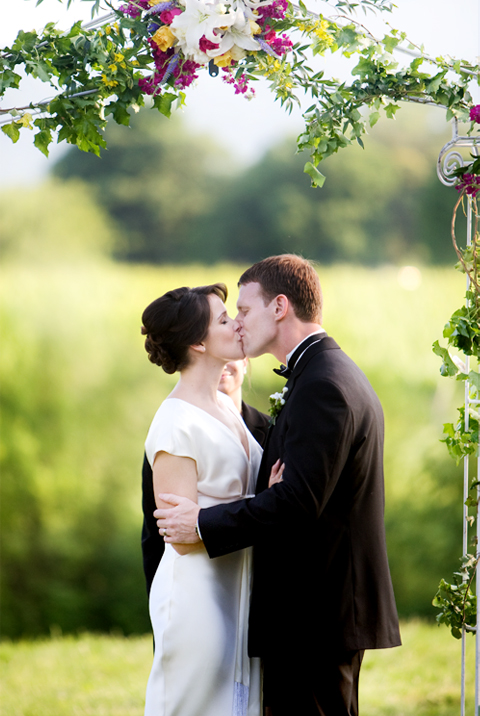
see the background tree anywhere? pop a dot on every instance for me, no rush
(156, 182)
(174, 197)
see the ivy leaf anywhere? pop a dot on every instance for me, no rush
(390, 110)
(390, 42)
(318, 179)
(42, 139)
(164, 103)
(448, 366)
(12, 131)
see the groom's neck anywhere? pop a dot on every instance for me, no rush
(290, 336)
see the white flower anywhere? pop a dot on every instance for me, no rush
(200, 18)
(239, 34)
(277, 401)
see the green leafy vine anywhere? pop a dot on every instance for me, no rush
(456, 601)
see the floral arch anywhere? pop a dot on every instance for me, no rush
(142, 48)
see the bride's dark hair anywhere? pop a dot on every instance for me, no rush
(177, 320)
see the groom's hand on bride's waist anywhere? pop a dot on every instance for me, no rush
(178, 524)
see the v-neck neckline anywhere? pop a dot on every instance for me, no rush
(237, 417)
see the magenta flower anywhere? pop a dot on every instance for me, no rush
(475, 113)
(280, 45)
(240, 84)
(275, 11)
(471, 184)
(205, 44)
(167, 15)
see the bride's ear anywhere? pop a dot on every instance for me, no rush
(199, 347)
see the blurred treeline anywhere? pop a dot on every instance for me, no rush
(176, 197)
(78, 393)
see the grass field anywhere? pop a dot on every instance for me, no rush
(106, 676)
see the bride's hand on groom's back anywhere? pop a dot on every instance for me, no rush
(276, 473)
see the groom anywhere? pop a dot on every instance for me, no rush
(321, 592)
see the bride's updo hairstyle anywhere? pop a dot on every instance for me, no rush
(177, 320)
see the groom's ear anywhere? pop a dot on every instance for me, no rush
(280, 306)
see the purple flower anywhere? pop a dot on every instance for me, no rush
(475, 113)
(471, 184)
(134, 9)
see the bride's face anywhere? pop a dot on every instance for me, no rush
(222, 341)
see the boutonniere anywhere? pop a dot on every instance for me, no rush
(277, 401)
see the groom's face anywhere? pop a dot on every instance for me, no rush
(257, 326)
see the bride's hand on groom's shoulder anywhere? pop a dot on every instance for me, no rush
(276, 473)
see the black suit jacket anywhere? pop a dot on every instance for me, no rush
(152, 543)
(321, 575)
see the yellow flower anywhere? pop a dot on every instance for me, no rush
(321, 32)
(118, 57)
(224, 60)
(255, 29)
(112, 68)
(164, 38)
(108, 30)
(107, 82)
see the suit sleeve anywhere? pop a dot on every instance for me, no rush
(317, 443)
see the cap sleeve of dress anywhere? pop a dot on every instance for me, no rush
(171, 431)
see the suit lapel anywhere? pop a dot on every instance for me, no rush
(325, 344)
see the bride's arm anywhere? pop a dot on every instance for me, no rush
(178, 475)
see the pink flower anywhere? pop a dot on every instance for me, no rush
(167, 15)
(475, 113)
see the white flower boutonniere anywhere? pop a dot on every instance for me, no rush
(277, 401)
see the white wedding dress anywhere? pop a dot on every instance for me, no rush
(199, 606)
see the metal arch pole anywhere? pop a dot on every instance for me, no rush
(465, 483)
(469, 401)
(477, 635)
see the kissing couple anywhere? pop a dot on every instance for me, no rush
(275, 576)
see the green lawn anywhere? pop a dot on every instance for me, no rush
(93, 675)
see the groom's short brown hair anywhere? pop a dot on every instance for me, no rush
(292, 276)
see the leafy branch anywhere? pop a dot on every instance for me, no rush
(96, 72)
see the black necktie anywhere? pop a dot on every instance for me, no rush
(286, 371)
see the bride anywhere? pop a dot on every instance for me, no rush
(199, 447)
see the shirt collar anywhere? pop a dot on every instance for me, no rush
(314, 333)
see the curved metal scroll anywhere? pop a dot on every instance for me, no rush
(450, 159)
